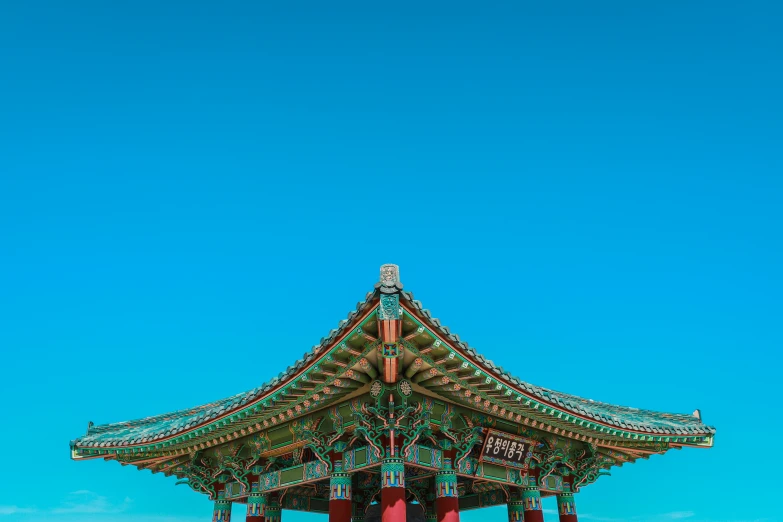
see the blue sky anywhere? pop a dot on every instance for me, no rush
(193, 194)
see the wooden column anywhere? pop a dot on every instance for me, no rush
(255, 504)
(393, 507)
(222, 510)
(516, 509)
(446, 496)
(566, 507)
(531, 499)
(339, 492)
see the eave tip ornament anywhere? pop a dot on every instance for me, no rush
(390, 279)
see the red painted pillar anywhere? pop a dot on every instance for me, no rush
(222, 510)
(255, 504)
(393, 508)
(446, 496)
(565, 502)
(531, 499)
(339, 493)
(515, 507)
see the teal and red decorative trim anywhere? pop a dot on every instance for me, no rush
(392, 473)
(340, 484)
(222, 510)
(531, 499)
(516, 513)
(565, 504)
(255, 502)
(446, 481)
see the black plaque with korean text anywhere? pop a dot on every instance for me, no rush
(506, 449)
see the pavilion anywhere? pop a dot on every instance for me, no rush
(392, 413)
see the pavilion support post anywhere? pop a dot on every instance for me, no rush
(222, 510)
(446, 496)
(339, 494)
(565, 503)
(531, 500)
(393, 507)
(256, 502)
(515, 506)
(272, 511)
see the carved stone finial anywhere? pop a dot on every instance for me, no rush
(390, 274)
(390, 279)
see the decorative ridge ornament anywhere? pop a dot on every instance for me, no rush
(389, 282)
(390, 324)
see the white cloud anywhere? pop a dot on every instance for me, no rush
(661, 517)
(84, 501)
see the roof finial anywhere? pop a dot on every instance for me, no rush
(697, 414)
(390, 279)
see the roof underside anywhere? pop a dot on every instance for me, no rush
(441, 363)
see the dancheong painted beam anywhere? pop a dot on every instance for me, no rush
(392, 417)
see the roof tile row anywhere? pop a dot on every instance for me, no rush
(159, 427)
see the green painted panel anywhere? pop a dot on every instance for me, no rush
(494, 471)
(507, 427)
(425, 456)
(290, 475)
(345, 412)
(280, 436)
(360, 457)
(437, 410)
(326, 425)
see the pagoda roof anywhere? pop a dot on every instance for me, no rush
(571, 415)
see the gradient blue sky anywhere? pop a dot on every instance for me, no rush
(192, 194)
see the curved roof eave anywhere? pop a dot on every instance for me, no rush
(609, 415)
(159, 428)
(162, 428)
